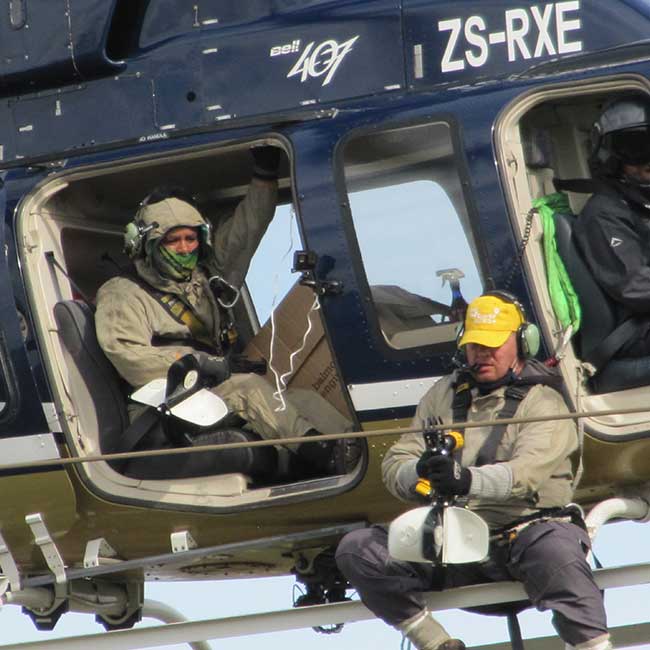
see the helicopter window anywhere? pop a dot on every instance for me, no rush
(293, 342)
(269, 276)
(405, 182)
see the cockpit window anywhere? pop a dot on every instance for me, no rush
(269, 276)
(413, 232)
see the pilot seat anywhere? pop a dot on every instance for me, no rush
(100, 398)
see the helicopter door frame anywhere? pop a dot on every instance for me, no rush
(386, 381)
(34, 432)
(28, 435)
(519, 190)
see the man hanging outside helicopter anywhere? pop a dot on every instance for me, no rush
(518, 478)
(177, 303)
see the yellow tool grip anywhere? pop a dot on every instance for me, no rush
(423, 487)
(458, 437)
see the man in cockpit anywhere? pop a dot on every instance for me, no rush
(176, 303)
(518, 477)
(613, 229)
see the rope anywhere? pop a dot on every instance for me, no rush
(522, 248)
(278, 378)
(58, 462)
(281, 380)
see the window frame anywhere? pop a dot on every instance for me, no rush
(378, 340)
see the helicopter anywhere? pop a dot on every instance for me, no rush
(415, 137)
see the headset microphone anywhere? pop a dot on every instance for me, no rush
(460, 362)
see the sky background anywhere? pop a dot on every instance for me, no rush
(270, 278)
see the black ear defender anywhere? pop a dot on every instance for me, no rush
(528, 336)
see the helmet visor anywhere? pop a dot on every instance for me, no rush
(632, 146)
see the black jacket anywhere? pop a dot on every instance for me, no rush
(613, 234)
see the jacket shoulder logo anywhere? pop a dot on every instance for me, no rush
(615, 241)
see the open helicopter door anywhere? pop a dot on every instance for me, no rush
(39, 496)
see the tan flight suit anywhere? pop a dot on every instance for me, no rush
(142, 339)
(537, 455)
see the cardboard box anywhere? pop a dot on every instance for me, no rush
(313, 367)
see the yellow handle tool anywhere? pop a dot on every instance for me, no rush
(423, 486)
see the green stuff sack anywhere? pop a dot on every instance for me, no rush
(563, 297)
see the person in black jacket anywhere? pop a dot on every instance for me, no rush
(613, 229)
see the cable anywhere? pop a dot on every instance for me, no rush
(367, 434)
(281, 378)
(277, 395)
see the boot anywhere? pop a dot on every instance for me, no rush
(318, 457)
(346, 455)
(427, 634)
(329, 457)
(602, 642)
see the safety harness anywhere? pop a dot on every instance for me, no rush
(535, 373)
(514, 394)
(182, 313)
(571, 513)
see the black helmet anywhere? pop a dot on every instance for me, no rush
(621, 135)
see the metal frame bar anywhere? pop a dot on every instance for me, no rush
(625, 636)
(190, 555)
(347, 612)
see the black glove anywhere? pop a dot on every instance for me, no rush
(444, 473)
(216, 368)
(266, 161)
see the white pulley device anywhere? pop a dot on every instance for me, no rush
(448, 535)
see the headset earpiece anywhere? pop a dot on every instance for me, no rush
(528, 340)
(528, 336)
(134, 236)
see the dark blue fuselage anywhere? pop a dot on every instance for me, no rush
(180, 77)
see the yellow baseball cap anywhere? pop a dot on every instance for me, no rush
(489, 321)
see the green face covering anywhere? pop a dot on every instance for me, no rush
(177, 266)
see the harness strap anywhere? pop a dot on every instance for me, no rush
(570, 513)
(514, 394)
(461, 402)
(602, 352)
(135, 432)
(182, 313)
